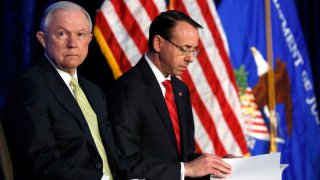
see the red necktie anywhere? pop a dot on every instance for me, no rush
(172, 110)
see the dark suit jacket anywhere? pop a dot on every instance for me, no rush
(47, 134)
(142, 126)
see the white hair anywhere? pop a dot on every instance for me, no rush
(64, 5)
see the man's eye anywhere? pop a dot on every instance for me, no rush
(62, 35)
(82, 35)
(183, 50)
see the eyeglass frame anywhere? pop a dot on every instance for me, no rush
(195, 52)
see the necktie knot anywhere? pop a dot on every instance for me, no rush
(73, 83)
(167, 85)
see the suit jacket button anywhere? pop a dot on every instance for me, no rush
(98, 166)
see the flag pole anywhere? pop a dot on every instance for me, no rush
(171, 5)
(271, 83)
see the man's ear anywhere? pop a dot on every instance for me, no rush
(90, 37)
(41, 38)
(156, 43)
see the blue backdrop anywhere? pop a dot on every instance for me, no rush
(298, 123)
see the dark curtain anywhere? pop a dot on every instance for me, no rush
(19, 47)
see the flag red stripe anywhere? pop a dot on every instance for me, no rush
(204, 115)
(255, 123)
(218, 40)
(130, 25)
(121, 58)
(228, 113)
(151, 8)
(258, 131)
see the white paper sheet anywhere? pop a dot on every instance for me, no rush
(262, 167)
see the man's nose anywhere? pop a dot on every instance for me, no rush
(72, 41)
(190, 56)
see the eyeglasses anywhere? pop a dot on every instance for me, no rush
(183, 51)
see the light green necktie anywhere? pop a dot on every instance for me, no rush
(91, 118)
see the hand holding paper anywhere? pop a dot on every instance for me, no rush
(207, 164)
(262, 167)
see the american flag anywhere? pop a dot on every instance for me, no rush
(121, 29)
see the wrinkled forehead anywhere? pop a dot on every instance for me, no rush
(69, 18)
(65, 15)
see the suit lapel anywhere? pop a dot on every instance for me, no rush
(155, 94)
(58, 87)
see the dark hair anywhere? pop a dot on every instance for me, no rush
(165, 22)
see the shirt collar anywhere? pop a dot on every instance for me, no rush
(156, 71)
(64, 75)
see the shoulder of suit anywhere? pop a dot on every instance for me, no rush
(86, 82)
(177, 80)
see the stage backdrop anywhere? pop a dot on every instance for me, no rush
(19, 48)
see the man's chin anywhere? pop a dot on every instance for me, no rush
(179, 73)
(71, 58)
(70, 67)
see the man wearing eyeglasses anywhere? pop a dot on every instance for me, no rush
(151, 110)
